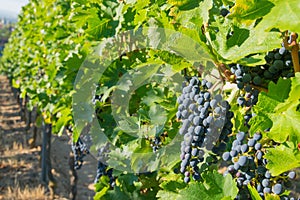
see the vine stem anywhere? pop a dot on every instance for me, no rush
(295, 55)
(259, 88)
(294, 47)
(224, 71)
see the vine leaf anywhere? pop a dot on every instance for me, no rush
(245, 10)
(215, 186)
(238, 39)
(286, 116)
(271, 196)
(285, 123)
(249, 40)
(267, 103)
(282, 158)
(289, 13)
(253, 192)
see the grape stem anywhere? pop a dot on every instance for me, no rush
(294, 47)
(259, 88)
(224, 71)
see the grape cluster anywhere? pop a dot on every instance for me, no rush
(278, 64)
(102, 169)
(248, 166)
(157, 141)
(206, 123)
(243, 79)
(80, 150)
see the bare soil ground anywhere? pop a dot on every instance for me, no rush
(20, 169)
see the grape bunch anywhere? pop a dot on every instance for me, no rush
(206, 123)
(80, 150)
(157, 141)
(278, 64)
(102, 169)
(246, 163)
(243, 79)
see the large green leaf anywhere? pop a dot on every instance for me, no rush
(265, 108)
(274, 13)
(286, 116)
(282, 158)
(283, 16)
(245, 10)
(246, 41)
(215, 186)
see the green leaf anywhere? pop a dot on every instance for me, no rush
(285, 123)
(253, 192)
(140, 17)
(97, 26)
(248, 40)
(240, 35)
(117, 193)
(282, 158)
(170, 157)
(64, 117)
(173, 185)
(215, 186)
(279, 91)
(101, 193)
(157, 115)
(184, 4)
(269, 196)
(261, 121)
(245, 10)
(286, 116)
(289, 14)
(266, 106)
(205, 6)
(162, 194)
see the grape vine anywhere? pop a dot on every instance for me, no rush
(210, 141)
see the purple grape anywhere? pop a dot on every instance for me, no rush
(267, 190)
(292, 175)
(240, 136)
(243, 161)
(277, 188)
(186, 179)
(251, 142)
(265, 182)
(226, 156)
(244, 148)
(257, 146)
(257, 136)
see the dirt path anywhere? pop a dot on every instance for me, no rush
(20, 169)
